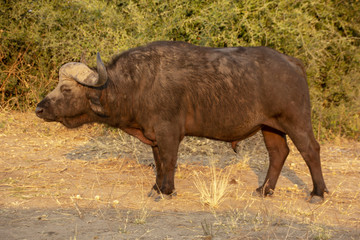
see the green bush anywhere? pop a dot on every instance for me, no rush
(37, 37)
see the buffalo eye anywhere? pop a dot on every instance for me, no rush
(65, 89)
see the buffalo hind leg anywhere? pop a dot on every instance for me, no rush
(275, 142)
(303, 137)
(309, 149)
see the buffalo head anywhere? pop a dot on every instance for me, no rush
(76, 98)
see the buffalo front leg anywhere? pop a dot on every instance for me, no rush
(168, 140)
(275, 142)
(159, 171)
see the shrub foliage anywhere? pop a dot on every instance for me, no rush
(37, 37)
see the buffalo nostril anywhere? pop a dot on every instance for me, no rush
(39, 110)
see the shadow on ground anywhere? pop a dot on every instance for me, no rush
(193, 150)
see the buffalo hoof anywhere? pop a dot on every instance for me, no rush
(262, 192)
(165, 197)
(155, 190)
(153, 193)
(160, 196)
(316, 199)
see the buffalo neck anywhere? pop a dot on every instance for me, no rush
(118, 104)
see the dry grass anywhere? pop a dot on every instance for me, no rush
(37, 174)
(213, 187)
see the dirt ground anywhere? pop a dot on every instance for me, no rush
(92, 183)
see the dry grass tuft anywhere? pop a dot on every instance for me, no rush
(214, 190)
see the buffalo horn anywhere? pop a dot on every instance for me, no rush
(101, 70)
(83, 74)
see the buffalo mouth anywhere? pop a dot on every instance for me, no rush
(69, 122)
(64, 121)
(41, 113)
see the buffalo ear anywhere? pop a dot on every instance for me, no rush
(96, 106)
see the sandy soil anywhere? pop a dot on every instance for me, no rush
(92, 183)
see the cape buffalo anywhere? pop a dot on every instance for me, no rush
(164, 91)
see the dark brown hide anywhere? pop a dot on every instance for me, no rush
(164, 91)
